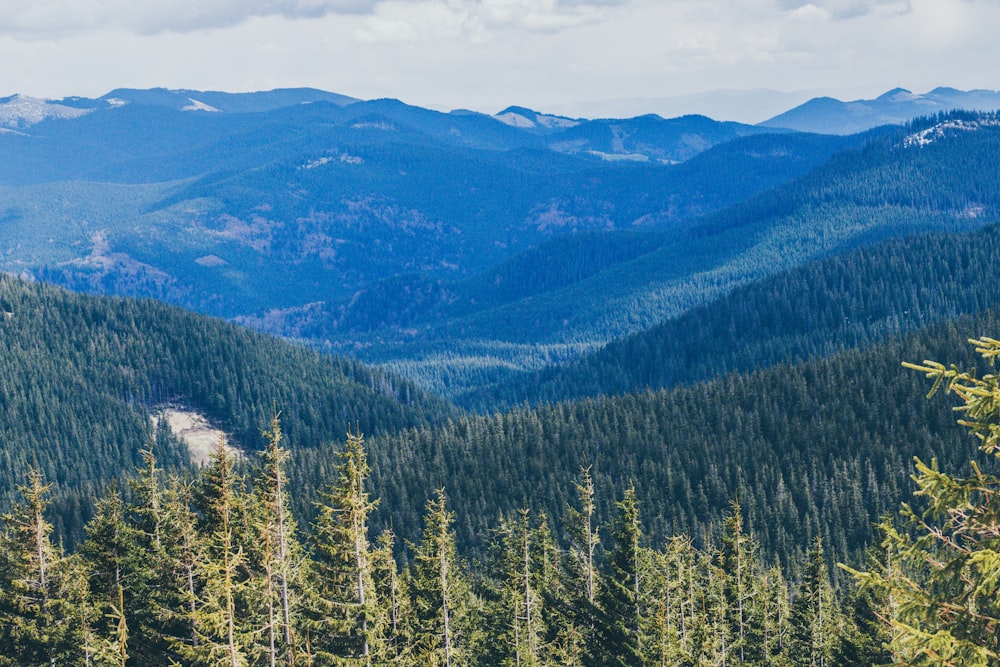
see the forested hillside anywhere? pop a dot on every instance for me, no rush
(817, 449)
(895, 185)
(269, 207)
(846, 301)
(80, 376)
(676, 496)
(216, 571)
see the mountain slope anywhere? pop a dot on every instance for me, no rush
(216, 101)
(822, 448)
(80, 375)
(234, 214)
(726, 172)
(847, 301)
(893, 186)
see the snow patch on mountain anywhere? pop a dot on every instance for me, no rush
(526, 119)
(345, 158)
(515, 120)
(944, 128)
(21, 111)
(197, 105)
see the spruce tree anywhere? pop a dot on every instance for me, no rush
(348, 619)
(282, 559)
(620, 599)
(575, 600)
(814, 621)
(944, 577)
(45, 612)
(225, 606)
(515, 617)
(180, 569)
(393, 591)
(121, 576)
(443, 600)
(739, 567)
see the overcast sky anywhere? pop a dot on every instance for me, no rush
(488, 54)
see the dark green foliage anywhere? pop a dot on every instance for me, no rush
(846, 301)
(942, 574)
(444, 604)
(868, 637)
(347, 619)
(45, 614)
(682, 605)
(618, 633)
(813, 449)
(815, 621)
(122, 566)
(79, 376)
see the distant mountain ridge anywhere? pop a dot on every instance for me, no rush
(21, 111)
(320, 199)
(827, 115)
(198, 100)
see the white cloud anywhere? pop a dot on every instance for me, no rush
(488, 54)
(66, 17)
(473, 21)
(62, 18)
(845, 9)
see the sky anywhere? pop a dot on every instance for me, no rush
(551, 55)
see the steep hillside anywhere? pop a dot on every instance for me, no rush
(846, 301)
(79, 377)
(822, 448)
(728, 172)
(235, 213)
(940, 175)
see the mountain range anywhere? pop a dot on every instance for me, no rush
(894, 107)
(458, 245)
(709, 309)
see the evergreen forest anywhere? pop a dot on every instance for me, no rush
(566, 410)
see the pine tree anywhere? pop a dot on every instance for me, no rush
(575, 600)
(739, 567)
(944, 584)
(149, 603)
(679, 597)
(223, 612)
(349, 622)
(111, 650)
(515, 615)
(584, 540)
(443, 601)
(815, 623)
(120, 572)
(180, 571)
(620, 599)
(392, 589)
(775, 612)
(44, 599)
(283, 561)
